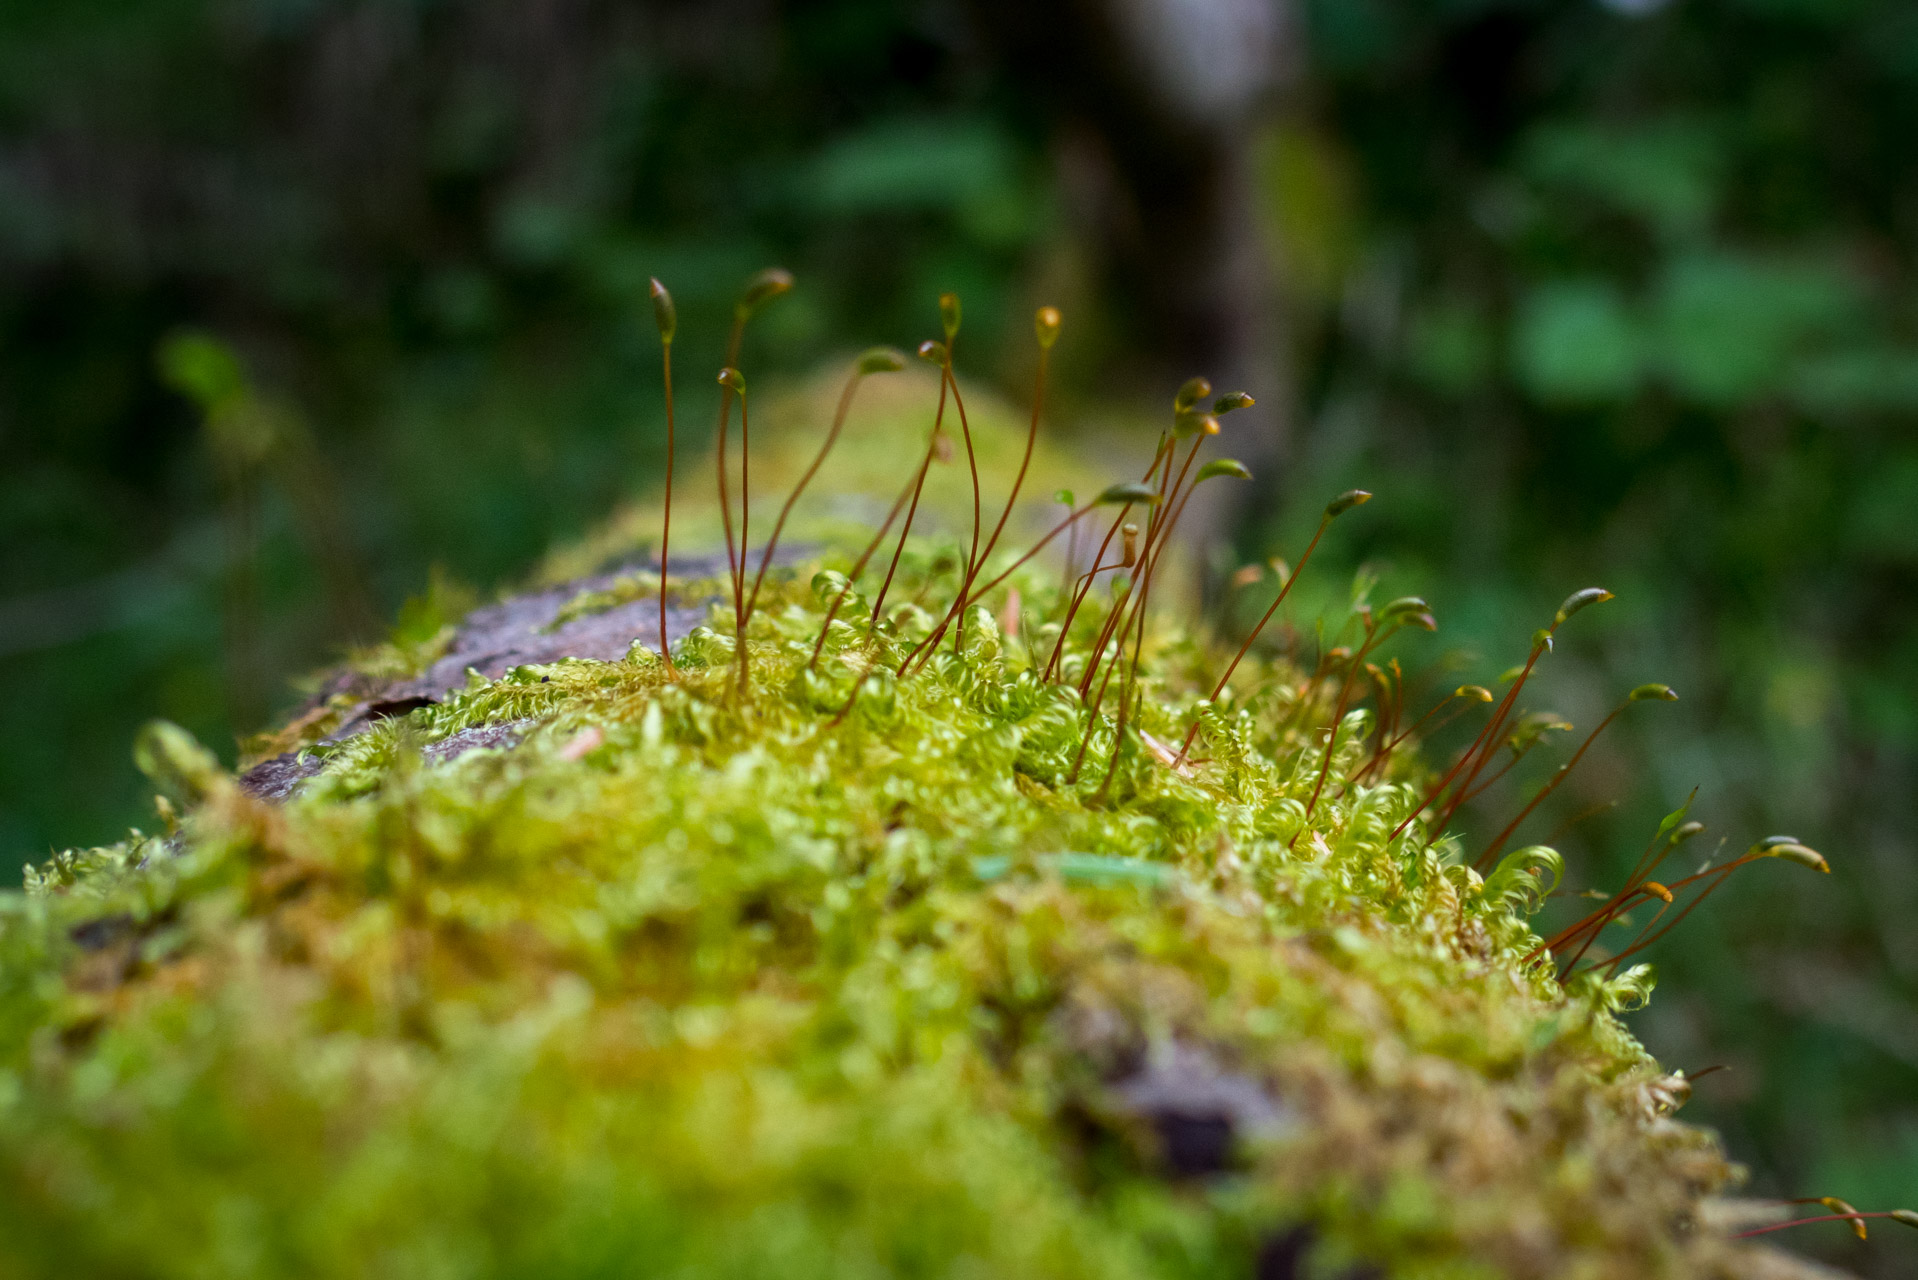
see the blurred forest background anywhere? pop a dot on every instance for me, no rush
(1620, 293)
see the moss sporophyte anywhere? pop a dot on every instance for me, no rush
(1088, 944)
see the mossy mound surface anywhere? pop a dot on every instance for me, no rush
(598, 969)
(683, 982)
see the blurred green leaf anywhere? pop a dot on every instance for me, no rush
(1665, 172)
(1854, 379)
(1574, 343)
(1731, 327)
(964, 167)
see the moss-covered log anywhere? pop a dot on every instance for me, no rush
(577, 966)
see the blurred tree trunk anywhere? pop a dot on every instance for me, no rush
(1159, 102)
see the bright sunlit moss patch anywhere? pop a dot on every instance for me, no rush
(694, 983)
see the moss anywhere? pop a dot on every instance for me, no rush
(685, 981)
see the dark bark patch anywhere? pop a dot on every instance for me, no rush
(1200, 1112)
(279, 777)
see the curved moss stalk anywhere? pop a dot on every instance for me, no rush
(940, 354)
(667, 319)
(1046, 327)
(1338, 506)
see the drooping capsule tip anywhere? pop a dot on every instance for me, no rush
(1132, 491)
(1844, 1207)
(1804, 857)
(1578, 600)
(763, 288)
(1045, 326)
(881, 360)
(1652, 693)
(1345, 502)
(1224, 467)
(1194, 390)
(1193, 422)
(732, 379)
(664, 313)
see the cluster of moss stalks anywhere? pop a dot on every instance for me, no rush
(690, 979)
